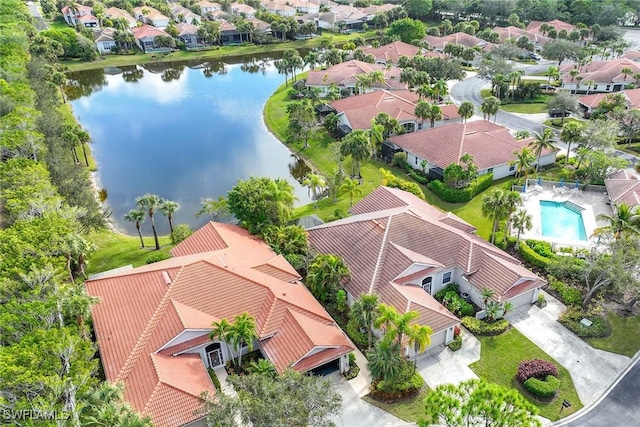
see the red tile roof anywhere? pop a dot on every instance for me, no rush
(594, 99)
(143, 312)
(392, 52)
(602, 71)
(491, 145)
(464, 39)
(534, 26)
(344, 75)
(147, 31)
(623, 187)
(512, 32)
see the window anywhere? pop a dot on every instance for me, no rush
(490, 170)
(512, 168)
(426, 284)
(608, 88)
(416, 157)
(446, 277)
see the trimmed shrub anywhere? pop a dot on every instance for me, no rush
(402, 388)
(480, 327)
(541, 248)
(451, 195)
(571, 320)
(157, 256)
(483, 182)
(215, 380)
(532, 257)
(400, 160)
(568, 294)
(180, 232)
(419, 178)
(456, 344)
(545, 389)
(442, 292)
(536, 368)
(403, 184)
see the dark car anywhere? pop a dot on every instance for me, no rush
(534, 56)
(556, 112)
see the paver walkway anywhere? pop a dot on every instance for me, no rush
(591, 369)
(448, 367)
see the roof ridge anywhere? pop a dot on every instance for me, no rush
(380, 254)
(267, 318)
(464, 132)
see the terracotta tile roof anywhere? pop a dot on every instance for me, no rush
(82, 9)
(491, 145)
(632, 54)
(147, 31)
(534, 26)
(392, 52)
(344, 75)
(87, 18)
(380, 246)
(242, 8)
(116, 13)
(152, 13)
(602, 71)
(375, 9)
(592, 100)
(144, 309)
(464, 39)
(186, 29)
(104, 35)
(623, 187)
(512, 32)
(435, 54)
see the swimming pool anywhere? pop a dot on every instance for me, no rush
(562, 220)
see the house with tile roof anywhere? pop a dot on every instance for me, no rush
(114, 13)
(242, 10)
(182, 14)
(188, 34)
(344, 75)
(152, 323)
(207, 7)
(356, 112)
(623, 187)
(145, 36)
(464, 39)
(515, 33)
(151, 16)
(606, 76)
(534, 26)
(282, 8)
(405, 250)
(587, 103)
(492, 147)
(79, 14)
(104, 40)
(390, 53)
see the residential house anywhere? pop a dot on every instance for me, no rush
(303, 6)
(587, 103)
(607, 76)
(79, 14)
(104, 40)
(344, 75)
(632, 55)
(114, 13)
(242, 9)
(282, 8)
(356, 112)
(464, 39)
(182, 14)
(153, 323)
(491, 145)
(515, 33)
(335, 20)
(145, 36)
(373, 10)
(623, 187)
(229, 33)
(207, 7)
(188, 34)
(391, 53)
(151, 16)
(404, 250)
(259, 26)
(534, 26)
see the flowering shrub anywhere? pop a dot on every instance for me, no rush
(536, 368)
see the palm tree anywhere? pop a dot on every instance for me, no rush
(136, 216)
(316, 184)
(542, 141)
(365, 311)
(149, 203)
(385, 363)
(221, 330)
(624, 220)
(376, 137)
(511, 202)
(422, 110)
(402, 325)
(523, 161)
(573, 74)
(387, 317)
(486, 294)
(262, 367)
(494, 207)
(168, 208)
(376, 76)
(626, 72)
(420, 337)
(497, 82)
(358, 145)
(554, 72)
(325, 274)
(425, 91)
(490, 107)
(588, 83)
(435, 114)
(466, 110)
(243, 331)
(522, 221)
(571, 132)
(440, 88)
(363, 82)
(350, 187)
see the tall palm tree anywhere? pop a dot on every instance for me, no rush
(523, 161)
(387, 318)
(571, 133)
(573, 74)
(490, 107)
(626, 72)
(422, 110)
(486, 294)
(376, 137)
(168, 208)
(149, 203)
(494, 207)
(425, 91)
(420, 338)
(350, 187)
(402, 326)
(435, 114)
(589, 83)
(554, 72)
(440, 88)
(243, 332)
(325, 274)
(359, 147)
(385, 363)
(512, 201)
(522, 221)
(542, 141)
(376, 76)
(137, 217)
(363, 82)
(365, 311)
(466, 110)
(221, 330)
(624, 220)
(316, 184)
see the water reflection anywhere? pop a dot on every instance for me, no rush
(298, 168)
(184, 131)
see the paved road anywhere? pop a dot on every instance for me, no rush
(34, 9)
(619, 408)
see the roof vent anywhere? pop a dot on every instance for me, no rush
(166, 278)
(224, 264)
(471, 132)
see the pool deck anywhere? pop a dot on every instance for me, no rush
(593, 203)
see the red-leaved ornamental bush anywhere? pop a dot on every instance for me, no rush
(536, 368)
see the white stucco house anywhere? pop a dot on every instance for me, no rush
(104, 40)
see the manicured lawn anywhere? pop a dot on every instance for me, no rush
(557, 123)
(485, 93)
(117, 250)
(624, 338)
(67, 115)
(410, 410)
(218, 52)
(499, 361)
(533, 108)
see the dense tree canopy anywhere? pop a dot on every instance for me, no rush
(407, 29)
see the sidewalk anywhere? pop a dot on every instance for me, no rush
(448, 367)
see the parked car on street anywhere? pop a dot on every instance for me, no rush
(534, 56)
(556, 112)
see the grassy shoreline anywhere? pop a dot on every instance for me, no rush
(236, 51)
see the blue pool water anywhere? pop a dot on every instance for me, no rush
(562, 219)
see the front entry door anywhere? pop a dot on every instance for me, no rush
(214, 354)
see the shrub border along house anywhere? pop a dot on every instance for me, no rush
(480, 327)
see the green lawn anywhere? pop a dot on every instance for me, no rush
(67, 115)
(533, 108)
(558, 123)
(624, 338)
(216, 53)
(410, 410)
(499, 361)
(117, 250)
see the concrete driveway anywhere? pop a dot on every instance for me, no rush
(591, 370)
(358, 413)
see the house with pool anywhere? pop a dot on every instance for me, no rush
(405, 250)
(153, 323)
(492, 147)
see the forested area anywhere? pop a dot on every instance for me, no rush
(48, 363)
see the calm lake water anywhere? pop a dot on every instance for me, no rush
(184, 131)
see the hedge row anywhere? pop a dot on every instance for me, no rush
(536, 368)
(421, 179)
(545, 389)
(461, 195)
(541, 248)
(480, 327)
(568, 294)
(532, 257)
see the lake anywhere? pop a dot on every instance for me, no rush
(183, 131)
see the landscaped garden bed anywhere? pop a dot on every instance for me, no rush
(539, 377)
